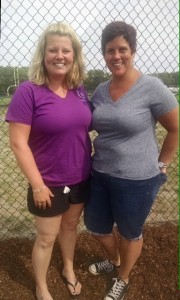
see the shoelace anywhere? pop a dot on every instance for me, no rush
(104, 265)
(117, 287)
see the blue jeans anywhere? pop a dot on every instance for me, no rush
(122, 201)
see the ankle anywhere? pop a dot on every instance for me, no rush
(116, 263)
(43, 293)
(125, 279)
(69, 274)
(67, 269)
(41, 287)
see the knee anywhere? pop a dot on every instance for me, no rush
(45, 242)
(70, 225)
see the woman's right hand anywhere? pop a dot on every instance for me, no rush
(42, 199)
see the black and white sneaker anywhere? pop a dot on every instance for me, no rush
(101, 267)
(117, 291)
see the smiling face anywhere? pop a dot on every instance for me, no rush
(118, 56)
(58, 57)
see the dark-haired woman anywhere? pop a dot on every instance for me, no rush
(128, 167)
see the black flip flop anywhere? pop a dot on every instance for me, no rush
(71, 284)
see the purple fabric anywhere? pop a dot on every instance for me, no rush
(59, 137)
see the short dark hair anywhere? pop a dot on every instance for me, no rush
(118, 28)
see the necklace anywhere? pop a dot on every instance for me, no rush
(60, 91)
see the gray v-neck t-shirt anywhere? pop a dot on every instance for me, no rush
(126, 145)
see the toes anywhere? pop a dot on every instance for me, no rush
(76, 290)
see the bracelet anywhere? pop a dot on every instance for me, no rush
(162, 165)
(39, 190)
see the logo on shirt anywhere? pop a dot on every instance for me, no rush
(82, 95)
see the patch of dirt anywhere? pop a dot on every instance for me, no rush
(155, 276)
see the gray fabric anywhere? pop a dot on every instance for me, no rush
(126, 145)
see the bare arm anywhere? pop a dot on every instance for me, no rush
(170, 122)
(19, 135)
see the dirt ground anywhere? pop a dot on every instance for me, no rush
(155, 276)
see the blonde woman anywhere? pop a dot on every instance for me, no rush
(49, 117)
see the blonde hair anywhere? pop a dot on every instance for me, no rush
(37, 71)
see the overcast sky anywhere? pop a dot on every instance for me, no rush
(156, 22)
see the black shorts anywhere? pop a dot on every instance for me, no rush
(79, 193)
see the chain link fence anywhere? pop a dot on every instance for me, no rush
(157, 53)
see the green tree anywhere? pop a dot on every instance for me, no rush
(94, 78)
(10, 77)
(169, 79)
(6, 79)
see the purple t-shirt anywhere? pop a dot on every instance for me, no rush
(59, 138)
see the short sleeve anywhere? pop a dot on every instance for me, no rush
(21, 107)
(162, 100)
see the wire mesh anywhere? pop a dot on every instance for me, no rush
(157, 53)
